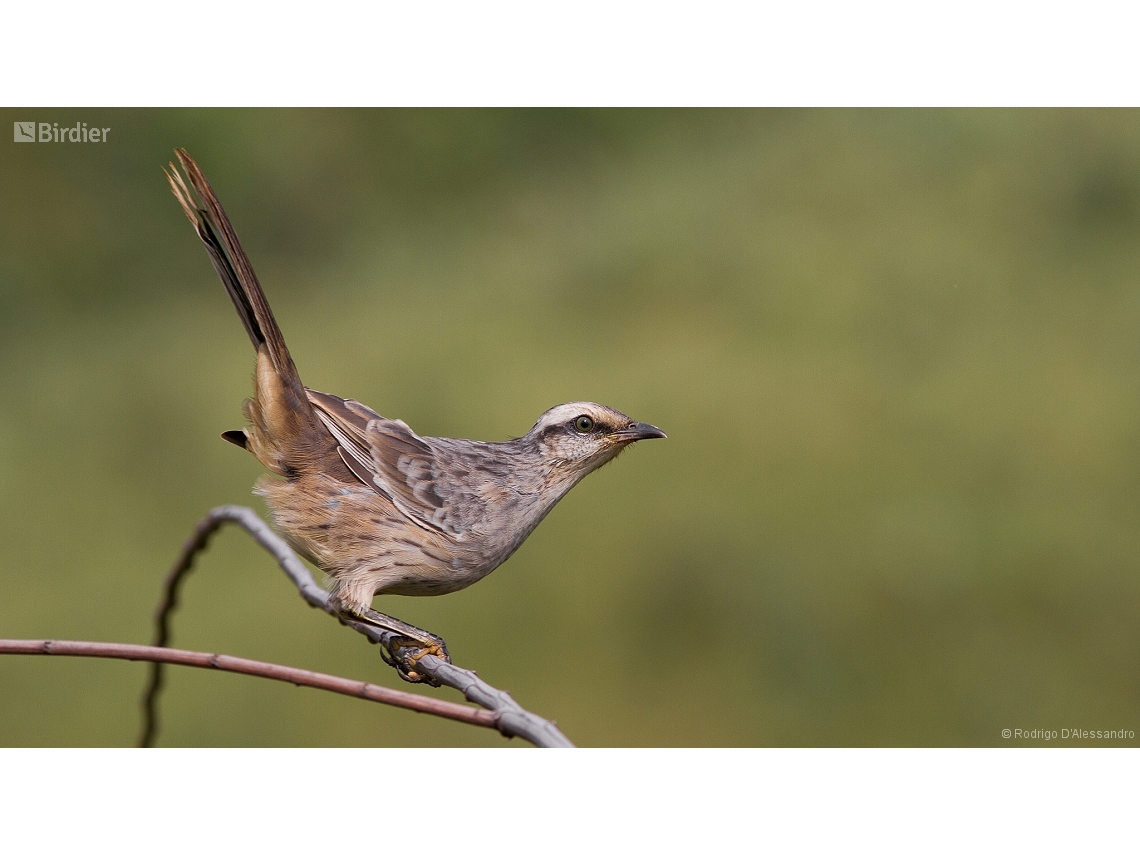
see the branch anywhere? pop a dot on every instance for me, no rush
(254, 668)
(509, 717)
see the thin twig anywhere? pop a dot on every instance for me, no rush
(254, 668)
(510, 718)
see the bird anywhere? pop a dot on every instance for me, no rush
(377, 507)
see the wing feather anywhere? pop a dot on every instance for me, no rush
(407, 469)
(441, 485)
(347, 421)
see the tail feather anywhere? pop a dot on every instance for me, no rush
(284, 428)
(232, 264)
(200, 219)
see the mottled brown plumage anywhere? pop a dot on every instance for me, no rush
(377, 507)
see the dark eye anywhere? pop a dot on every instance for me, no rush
(583, 424)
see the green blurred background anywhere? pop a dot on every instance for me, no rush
(897, 354)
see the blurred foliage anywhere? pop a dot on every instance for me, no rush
(897, 354)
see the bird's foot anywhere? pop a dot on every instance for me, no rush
(401, 645)
(404, 654)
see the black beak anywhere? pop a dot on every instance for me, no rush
(640, 430)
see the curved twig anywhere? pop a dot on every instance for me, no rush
(254, 668)
(510, 718)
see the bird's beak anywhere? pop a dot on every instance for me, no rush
(640, 430)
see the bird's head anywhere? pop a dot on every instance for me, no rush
(583, 436)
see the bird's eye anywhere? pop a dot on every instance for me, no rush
(583, 424)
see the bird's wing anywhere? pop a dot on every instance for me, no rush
(420, 479)
(347, 420)
(443, 486)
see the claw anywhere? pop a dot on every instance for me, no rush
(404, 653)
(405, 645)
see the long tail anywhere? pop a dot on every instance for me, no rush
(284, 429)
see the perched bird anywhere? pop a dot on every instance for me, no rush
(378, 508)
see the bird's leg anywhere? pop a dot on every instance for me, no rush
(404, 644)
